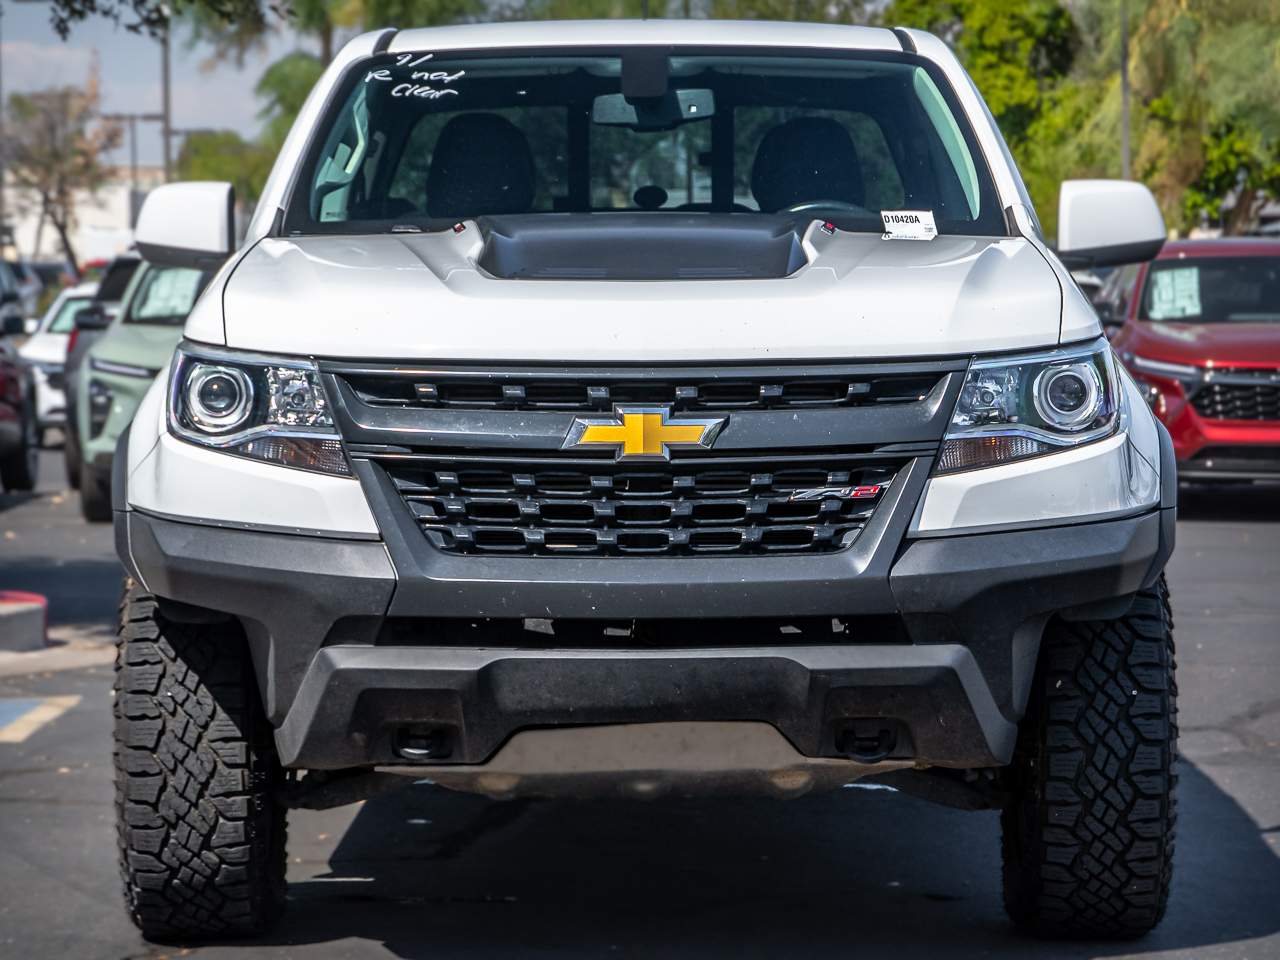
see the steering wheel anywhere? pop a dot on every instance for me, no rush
(808, 205)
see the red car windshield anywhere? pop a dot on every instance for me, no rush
(1213, 290)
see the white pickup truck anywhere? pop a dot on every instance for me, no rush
(641, 408)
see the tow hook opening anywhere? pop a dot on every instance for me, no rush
(423, 744)
(867, 740)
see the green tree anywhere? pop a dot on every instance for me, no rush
(225, 155)
(1207, 82)
(282, 89)
(154, 15)
(1017, 53)
(1239, 164)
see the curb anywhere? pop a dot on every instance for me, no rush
(23, 620)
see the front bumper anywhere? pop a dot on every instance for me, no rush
(375, 642)
(98, 446)
(1210, 449)
(946, 635)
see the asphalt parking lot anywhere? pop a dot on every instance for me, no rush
(424, 873)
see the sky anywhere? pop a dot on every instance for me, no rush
(33, 57)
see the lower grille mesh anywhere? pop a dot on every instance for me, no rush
(704, 506)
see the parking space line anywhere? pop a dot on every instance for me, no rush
(23, 717)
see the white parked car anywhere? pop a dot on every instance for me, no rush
(646, 407)
(46, 352)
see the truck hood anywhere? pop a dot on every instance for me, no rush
(45, 347)
(1208, 344)
(427, 297)
(138, 344)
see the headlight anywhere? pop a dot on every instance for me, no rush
(265, 408)
(218, 398)
(100, 399)
(1012, 408)
(1174, 371)
(121, 369)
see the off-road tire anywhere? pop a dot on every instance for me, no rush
(95, 495)
(18, 469)
(200, 822)
(1089, 827)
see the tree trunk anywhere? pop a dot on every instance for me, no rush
(61, 226)
(1241, 217)
(326, 42)
(35, 246)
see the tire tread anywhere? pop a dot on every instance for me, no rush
(201, 829)
(1088, 837)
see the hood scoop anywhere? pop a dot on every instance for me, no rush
(640, 246)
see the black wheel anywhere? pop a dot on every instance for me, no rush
(18, 470)
(1089, 828)
(95, 494)
(200, 824)
(71, 456)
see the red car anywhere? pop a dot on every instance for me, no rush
(1199, 329)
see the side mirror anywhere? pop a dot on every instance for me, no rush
(187, 225)
(92, 318)
(31, 325)
(13, 325)
(1110, 322)
(1106, 223)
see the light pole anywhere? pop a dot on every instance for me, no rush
(132, 120)
(166, 129)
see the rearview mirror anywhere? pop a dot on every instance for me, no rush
(92, 318)
(653, 113)
(1106, 223)
(187, 225)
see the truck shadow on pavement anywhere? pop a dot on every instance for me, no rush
(861, 872)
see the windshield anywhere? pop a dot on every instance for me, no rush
(116, 279)
(64, 321)
(1213, 290)
(422, 141)
(165, 295)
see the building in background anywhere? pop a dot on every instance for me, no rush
(103, 220)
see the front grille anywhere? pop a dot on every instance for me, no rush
(1238, 399)
(434, 389)
(693, 506)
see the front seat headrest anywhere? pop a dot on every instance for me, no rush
(806, 158)
(481, 164)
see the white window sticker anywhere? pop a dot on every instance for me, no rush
(908, 224)
(1175, 293)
